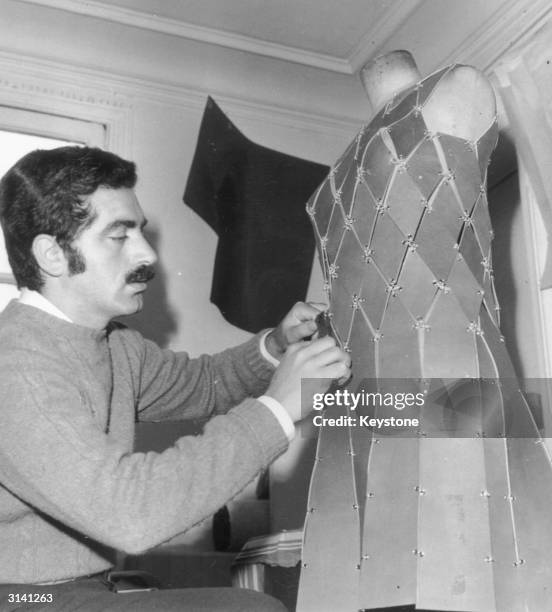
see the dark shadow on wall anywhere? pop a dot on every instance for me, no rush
(157, 320)
(504, 200)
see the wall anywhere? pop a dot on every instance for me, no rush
(155, 86)
(515, 281)
(150, 89)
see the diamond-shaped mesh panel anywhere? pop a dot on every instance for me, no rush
(404, 238)
(398, 214)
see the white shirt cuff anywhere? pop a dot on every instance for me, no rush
(264, 351)
(281, 415)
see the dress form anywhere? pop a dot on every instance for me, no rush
(462, 105)
(404, 239)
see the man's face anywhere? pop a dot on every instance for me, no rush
(113, 249)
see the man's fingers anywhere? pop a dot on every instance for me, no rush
(297, 346)
(315, 347)
(324, 359)
(332, 355)
(319, 306)
(336, 371)
(307, 311)
(322, 351)
(303, 330)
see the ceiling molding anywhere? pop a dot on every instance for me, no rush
(7, 278)
(506, 29)
(41, 84)
(174, 27)
(397, 13)
(392, 18)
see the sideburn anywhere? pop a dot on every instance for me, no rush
(75, 260)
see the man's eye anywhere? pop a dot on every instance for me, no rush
(119, 238)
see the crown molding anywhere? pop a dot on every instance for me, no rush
(6, 278)
(174, 27)
(393, 17)
(397, 13)
(508, 28)
(93, 95)
(43, 86)
(505, 28)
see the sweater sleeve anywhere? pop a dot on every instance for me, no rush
(174, 386)
(54, 456)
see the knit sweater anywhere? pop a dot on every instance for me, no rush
(72, 490)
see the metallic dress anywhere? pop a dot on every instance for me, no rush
(457, 514)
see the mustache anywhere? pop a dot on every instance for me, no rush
(142, 274)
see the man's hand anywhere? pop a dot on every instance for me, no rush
(297, 325)
(321, 361)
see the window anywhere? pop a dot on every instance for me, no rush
(22, 131)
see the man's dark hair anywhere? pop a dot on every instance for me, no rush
(46, 192)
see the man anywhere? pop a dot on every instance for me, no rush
(73, 384)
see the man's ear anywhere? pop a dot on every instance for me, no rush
(49, 255)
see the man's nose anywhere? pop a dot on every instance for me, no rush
(145, 253)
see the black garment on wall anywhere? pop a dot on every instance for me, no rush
(254, 198)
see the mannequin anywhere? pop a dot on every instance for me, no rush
(452, 517)
(446, 110)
